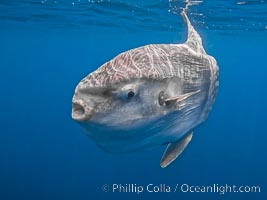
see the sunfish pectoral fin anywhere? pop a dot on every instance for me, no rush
(179, 98)
(173, 150)
(193, 38)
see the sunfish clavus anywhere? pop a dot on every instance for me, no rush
(148, 96)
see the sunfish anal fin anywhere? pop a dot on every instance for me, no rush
(193, 38)
(173, 150)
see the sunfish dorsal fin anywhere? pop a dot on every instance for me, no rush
(193, 38)
(173, 150)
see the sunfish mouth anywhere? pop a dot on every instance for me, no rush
(80, 111)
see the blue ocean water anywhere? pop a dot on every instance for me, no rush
(46, 47)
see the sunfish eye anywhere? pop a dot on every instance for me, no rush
(131, 94)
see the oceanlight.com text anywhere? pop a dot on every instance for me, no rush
(183, 188)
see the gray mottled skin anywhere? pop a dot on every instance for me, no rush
(118, 123)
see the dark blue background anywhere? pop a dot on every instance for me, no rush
(46, 155)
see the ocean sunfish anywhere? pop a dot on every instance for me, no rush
(148, 96)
